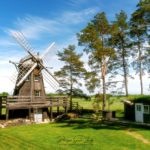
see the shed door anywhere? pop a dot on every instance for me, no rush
(139, 112)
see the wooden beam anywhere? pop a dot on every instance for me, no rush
(29, 114)
(51, 113)
(7, 113)
(65, 109)
(32, 87)
(58, 105)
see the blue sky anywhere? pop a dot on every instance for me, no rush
(45, 21)
(63, 17)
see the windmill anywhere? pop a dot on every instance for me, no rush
(31, 68)
(31, 75)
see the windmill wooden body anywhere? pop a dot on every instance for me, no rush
(33, 84)
(29, 98)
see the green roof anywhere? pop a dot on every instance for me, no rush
(142, 99)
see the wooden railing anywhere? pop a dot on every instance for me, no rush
(16, 102)
(76, 106)
(2, 103)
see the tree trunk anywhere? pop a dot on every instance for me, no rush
(71, 87)
(124, 70)
(140, 69)
(71, 98)
(104, 93)
(104, 83)
(125, 79)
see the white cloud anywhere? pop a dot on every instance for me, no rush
(34, 27)
(77, 2)
(5, 42)
(78, 17)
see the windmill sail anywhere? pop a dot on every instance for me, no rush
(32, 66)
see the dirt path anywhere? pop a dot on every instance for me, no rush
(137, 136)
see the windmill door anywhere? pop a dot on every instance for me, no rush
(38, 115)
(139, 112)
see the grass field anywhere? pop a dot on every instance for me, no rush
(77, 134)
(117, 104)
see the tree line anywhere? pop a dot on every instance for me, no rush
(112, 48)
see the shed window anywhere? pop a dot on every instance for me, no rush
(138, 107)
(37, 93)
(146, 109)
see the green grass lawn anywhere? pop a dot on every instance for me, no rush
(77, 134)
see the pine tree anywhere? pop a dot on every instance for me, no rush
(121, 42)
(143, 11)
(138, 32)
(95, 39)
(71, 73)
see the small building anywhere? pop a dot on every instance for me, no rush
(142, 111)
(138, 110)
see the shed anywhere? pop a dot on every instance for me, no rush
(142, 110)
(138, 110)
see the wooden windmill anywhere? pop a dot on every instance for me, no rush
(30, 83)
(30, 71)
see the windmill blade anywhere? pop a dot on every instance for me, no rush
(47, 50)
(21, 40)
(49, 73)
(14, 76)
(51, 79)
(27, 74)
(49, 82)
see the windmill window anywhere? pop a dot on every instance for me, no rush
(28, 78)
(37, 93)
(36, 77)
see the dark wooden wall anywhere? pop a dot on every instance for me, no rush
(129, 112)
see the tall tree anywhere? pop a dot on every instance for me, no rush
(138, 32)
(121, 41)
(143, 11)
(72, 71)
(95, 37)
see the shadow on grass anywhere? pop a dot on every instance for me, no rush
(98, 125)
(88, 123)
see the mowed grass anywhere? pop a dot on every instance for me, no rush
(76, 134)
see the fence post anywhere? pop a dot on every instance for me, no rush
(58, 105)
(77, 106)
(7, 113)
